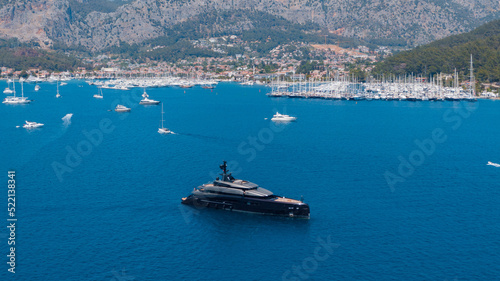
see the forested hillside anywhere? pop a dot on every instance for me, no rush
(452, 52)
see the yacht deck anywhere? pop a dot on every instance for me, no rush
(287, 200)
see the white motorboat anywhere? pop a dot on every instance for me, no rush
(146, 101)
(8, 90)
(37, 88)
(121, 108)
(63, 83)
(163, 130)
(283, 118)
(17, 100)
(99, 94)
(32, 125)
(493, 164)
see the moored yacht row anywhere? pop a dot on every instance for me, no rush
(372, 91)
(158, 82)
(410, 88)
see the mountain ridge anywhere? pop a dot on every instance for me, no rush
(97, 26)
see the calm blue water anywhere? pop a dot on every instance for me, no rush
(115, 212)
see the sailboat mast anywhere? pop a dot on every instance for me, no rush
(471, 77)
(162, 115)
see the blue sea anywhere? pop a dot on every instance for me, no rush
(397, 190)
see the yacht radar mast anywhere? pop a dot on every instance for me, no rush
(225, 175)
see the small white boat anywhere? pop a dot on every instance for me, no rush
(283, 118)
(146, 101)
(8, 90)
(493, 164)
(121, 108)
(32, 125)
(37, 88)
(63, 83)
(163, 130)
(99, 94)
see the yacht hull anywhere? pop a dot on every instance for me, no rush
(286, 119)
(149, 102)
(250, 205)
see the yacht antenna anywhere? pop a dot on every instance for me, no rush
(224, 167)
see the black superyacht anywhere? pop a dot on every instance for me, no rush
(233, 194)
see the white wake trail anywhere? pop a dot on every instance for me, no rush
(67, 119)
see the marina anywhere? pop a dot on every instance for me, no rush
(408, 88)
(403, 89)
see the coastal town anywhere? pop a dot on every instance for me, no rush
(291, 64)
(247, 64)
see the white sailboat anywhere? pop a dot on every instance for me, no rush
(57, 95)
(99, 94)
(472, 82)
(163, 130)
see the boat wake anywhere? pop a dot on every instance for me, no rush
(493, 164)
(67, 119)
